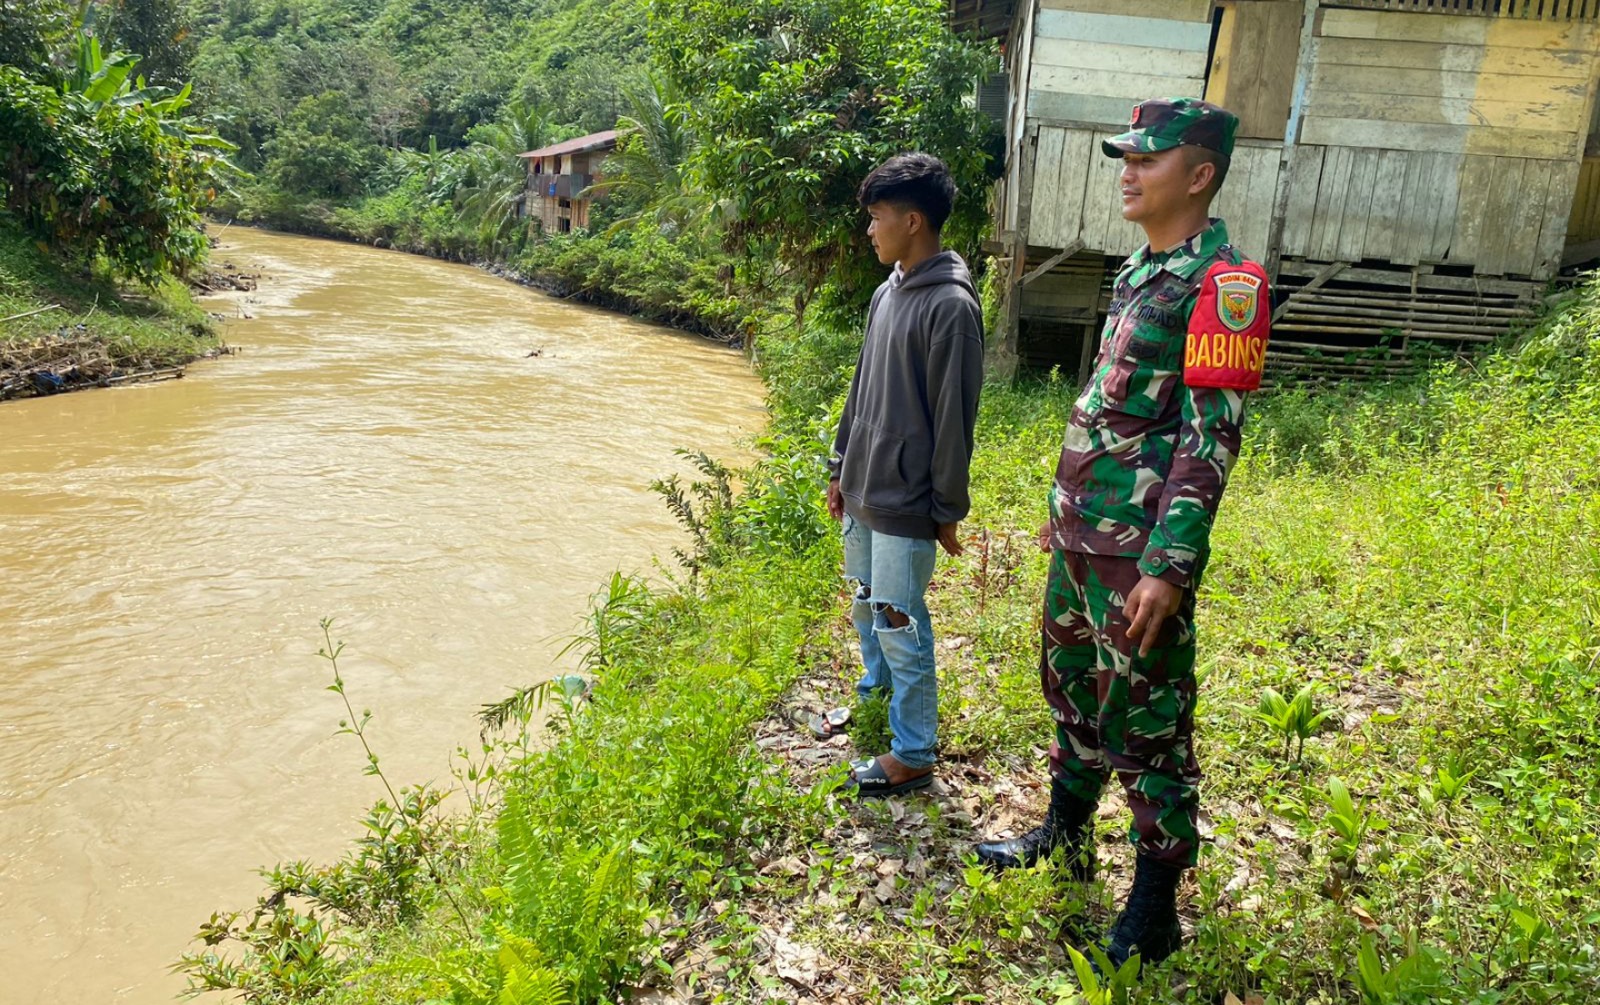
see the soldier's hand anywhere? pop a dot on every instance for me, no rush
(1149, 606)
(835, 500)
(950, 537)
(1044, 536)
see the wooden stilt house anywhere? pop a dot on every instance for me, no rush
(559, 177)
(1412, 172)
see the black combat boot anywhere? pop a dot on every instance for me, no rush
(1069, 824)
(1148, 924)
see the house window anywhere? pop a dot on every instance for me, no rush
(992, 91)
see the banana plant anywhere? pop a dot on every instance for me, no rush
(102, 79)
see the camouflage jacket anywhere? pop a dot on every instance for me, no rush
(1146, 456)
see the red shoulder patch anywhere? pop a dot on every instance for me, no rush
(1227, 342)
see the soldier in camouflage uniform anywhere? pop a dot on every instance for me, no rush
(1146, 455)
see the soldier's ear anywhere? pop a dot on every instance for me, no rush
(1201, 175)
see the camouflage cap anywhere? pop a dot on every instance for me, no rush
(1164, 123)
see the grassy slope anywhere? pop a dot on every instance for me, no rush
(136, 330)
(1424, 554)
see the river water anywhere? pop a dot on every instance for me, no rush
(383, 451)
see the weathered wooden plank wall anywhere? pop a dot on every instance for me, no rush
(1091, 66)
(1253, 66)
(1441, 140)
(1077, 194)
(1020, 63)
(1535, 10)
(1502, 215)
(1389, 80)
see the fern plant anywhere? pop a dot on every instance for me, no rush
(615, 614)
(511, 970)
(591, 931)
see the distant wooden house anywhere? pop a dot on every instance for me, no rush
(1411, 171)
(558, 177)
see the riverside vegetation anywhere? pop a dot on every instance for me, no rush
(1414, 564)
(399, 122)
(61, 322)
(103, 176)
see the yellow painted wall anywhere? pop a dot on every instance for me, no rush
(1584, 223)
(1253, 65)
(1435, 83)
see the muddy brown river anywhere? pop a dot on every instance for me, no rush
(383, 451)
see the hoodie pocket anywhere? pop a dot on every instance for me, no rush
(877, 474)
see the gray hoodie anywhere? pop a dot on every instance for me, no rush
(905, 438)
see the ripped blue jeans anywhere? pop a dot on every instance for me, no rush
(889, 572)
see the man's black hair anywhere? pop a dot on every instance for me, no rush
(1200, 155)
(920, 181)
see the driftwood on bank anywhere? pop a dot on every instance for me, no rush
(70, 359)
(227, 279)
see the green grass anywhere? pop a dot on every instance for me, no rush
(1423, 555)
(135, 328)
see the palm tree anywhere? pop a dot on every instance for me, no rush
(492, 188)
(649, 171)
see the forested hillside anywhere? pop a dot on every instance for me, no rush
(402, 73)
(399, 124)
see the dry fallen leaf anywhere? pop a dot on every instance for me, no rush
(794, 962)
(788, 865)
(1367, 921)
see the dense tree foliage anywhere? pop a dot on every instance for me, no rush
(322, 149)
(337, 107)
(414, 69)
(804, 97)
(95, 161)
(161, 33)
(31, 32)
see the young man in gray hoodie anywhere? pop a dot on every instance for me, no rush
(898, 474)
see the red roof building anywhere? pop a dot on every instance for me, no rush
(558, 176)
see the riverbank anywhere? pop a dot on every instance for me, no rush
(1420, 556)
(64, 331)
(385, 451)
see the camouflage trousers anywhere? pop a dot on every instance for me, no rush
(1116, 711)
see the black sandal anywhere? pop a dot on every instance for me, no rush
(827, 725)
(868, 779)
